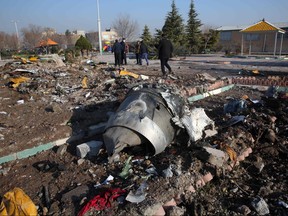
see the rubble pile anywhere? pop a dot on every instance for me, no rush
(223, 155)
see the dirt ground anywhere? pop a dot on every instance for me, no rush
(53, 105)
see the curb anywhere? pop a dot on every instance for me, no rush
(32, 151)
(209, 93)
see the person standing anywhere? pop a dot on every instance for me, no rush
(137, 52)
(117, 49)
(143, 52)
(165, 49)
(125, 49)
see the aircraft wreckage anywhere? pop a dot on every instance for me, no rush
(153, 116)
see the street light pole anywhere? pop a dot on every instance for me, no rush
(99, 28)
(17, 34)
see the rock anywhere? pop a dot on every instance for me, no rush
(45, 211)
(167, 173)
(155, 209)
(271, 136)
(243, 210)
(169, 203)
(207, 177)
(76, 194)
(175, 210)
(213, 156)
(5, 171)
(80, 161)
(62, 150)
(54, 208)
(259, 164)
(260, 206)
(91, 148)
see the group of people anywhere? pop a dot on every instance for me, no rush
(165, 50)
(120, 49)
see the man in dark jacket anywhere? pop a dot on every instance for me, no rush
(143, 52)
(117, 49)
(165, 49)
(125, 49)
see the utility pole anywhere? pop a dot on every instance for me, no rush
(17, 33)
(99, 28)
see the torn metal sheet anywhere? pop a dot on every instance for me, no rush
(195, 121)
(144, 117)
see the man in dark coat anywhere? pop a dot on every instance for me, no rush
(117, 49)
(143, 52)
(125, 49)
(165, 49)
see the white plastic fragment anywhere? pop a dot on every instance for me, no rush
(90, 148)
(106, 181)
(20, 102)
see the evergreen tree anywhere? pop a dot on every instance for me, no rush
(174, 27)
(158, 35)
(83, 44)
(156, 39)
(146, 36)
(193, 30)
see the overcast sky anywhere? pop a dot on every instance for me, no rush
(82, 14)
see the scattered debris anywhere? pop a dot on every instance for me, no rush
(218, 158)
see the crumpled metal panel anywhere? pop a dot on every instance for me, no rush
(144, 117)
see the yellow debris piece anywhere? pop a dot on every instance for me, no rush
(17, 81)
(16, 57)
(84, 83)
(23, 60)
(255, 71)
(224, 147)
(232, 154)
(15, 202)
(245, 97)
(126, 73)
(33, 59)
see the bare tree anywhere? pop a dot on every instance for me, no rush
(209, 37)
(48, 32)
(32, 36)
(8, 42)
(60, 39)
(125, 27)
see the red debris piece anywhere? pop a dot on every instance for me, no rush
(103, 200)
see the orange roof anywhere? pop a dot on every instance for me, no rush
(262, 26)
(47, 42)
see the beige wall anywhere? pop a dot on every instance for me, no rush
(257, 46)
